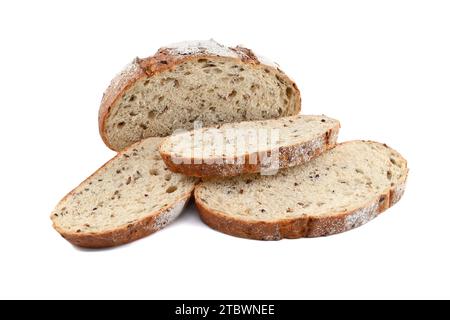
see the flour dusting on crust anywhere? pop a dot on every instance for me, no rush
(398, 193)
(266, 61)
(123, 77)
(201, 47)
(361, 216)
(169, 215)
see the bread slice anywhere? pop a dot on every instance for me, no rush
(130, 197)
(249, 147)
(340, 190)
(193, 81)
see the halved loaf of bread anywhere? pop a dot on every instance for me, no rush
(340, 190)
(193, 81)
(249, 147)
(131, 196)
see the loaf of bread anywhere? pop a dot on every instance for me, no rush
(131, 196)
(340, 190)
(267, 172)
(249, 147)
(193, 81)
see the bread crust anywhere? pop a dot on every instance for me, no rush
(289, 156)
(121, 82)
(303, 226)
(125, 233)
(164, 60)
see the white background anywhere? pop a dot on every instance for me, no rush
(381, 67)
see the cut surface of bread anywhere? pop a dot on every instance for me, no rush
(249, 147)
(340, 190)
(192, 82)
(131, 196)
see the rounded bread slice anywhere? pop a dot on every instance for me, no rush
(130, 197)
(340, 190)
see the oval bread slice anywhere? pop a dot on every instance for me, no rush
(193, 81)
(249, 147)
(130, 197)
(340, 190)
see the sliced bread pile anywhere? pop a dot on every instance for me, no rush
(134, 194)
(257, 168)
(312, 192)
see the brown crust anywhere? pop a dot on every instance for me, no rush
(246, 55)
(162, 61)
(121, 235)
(288, 157)
(301, 227)
(118, 86)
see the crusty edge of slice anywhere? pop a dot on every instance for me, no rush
(126, 233)
(121, 82)
(301, 227)
(289, 156)
(162, 61)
